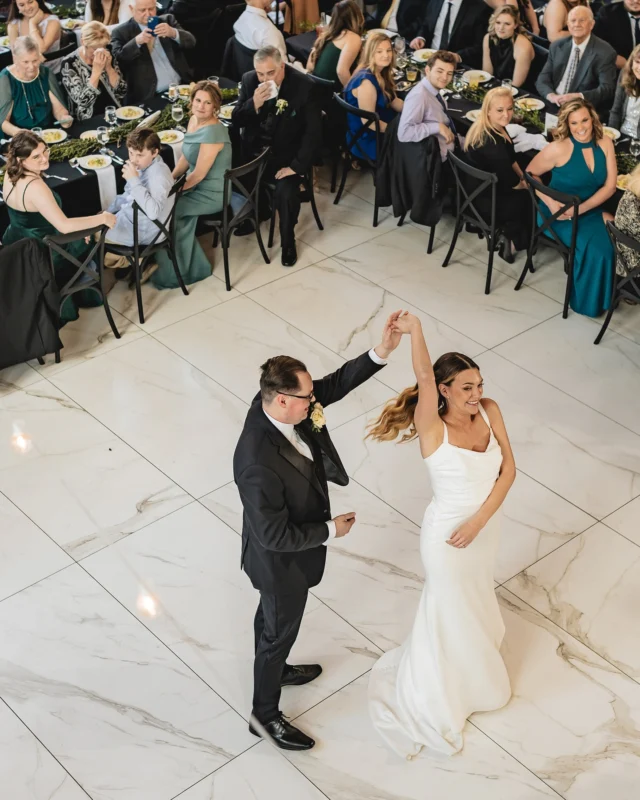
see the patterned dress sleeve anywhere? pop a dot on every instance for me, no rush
(80, 92)
(628, 221)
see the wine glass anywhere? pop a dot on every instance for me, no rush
(177, 115)
(80, 7)
(458, 84)
(110, 115)
(214, 79)
(634, 148)
(399, 45)
(173, 92)
(507, 83)
(37, 131)
(103, 135)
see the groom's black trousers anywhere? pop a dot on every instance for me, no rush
(276, 626)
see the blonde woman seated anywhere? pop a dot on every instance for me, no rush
(90, 75)
(625, 114)
(372, 88)
(489, 147)
(582, 163)
(525, 9)
(556, 16)
(506, 49)
(338, 47)
(33, 18)
(628, 221)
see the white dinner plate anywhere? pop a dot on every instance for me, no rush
(612, 133)
(129, 113)
(476, 76)
(60, 135)
(530, 104)
(89, 135)
(227, 111)
(184, 90)
(89, 162)
(422, 55)
(472, 115)
(178, 134)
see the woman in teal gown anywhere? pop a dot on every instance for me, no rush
(35, 212)
(582, 163)
(206, 154)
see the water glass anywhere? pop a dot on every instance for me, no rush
(37, 131)
(110, 115)
(507, 83)
(177, 115)
(458, 83)
(80, 7)
(214, 79)
(103, 135)
(399, 45)
(173, 92)
(634, 148)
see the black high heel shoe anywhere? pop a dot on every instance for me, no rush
(505, 250)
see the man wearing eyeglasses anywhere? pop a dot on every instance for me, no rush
(281, 465)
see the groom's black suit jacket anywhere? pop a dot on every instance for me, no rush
(285, 495)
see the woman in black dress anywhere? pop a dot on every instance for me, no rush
(489, 147)
(506, 49)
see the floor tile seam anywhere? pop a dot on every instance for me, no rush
(43, 745)
(613, 530)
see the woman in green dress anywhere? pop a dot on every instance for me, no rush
(30, 96)
(337, 48)
(34, 212)
(582, 162)
(206, 154)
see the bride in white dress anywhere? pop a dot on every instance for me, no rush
(421, 693)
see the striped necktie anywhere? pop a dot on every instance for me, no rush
(571, 70)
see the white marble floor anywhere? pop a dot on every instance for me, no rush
(126, 624)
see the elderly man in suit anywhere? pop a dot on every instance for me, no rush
(455, 25)
(278, 108)
(150, 60)
(281, 466)
(619, 25)
(579, 65)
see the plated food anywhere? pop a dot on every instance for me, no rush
(622, 181)
(472, 115)
(422, 55)
(226, 111)
(403, 86)
(476, 76)
(53, 135)
(89, 135)
(530, 104)
(171, 137)
(612, 133)
(4, 41)
(129, 112)
(95, 162)
(184, 90)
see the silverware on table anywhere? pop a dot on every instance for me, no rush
(106, 152)
(622, 141)
(73, 162)
(56, 177)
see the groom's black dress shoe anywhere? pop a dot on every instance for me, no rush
(289, 255)
(284, 735)
(299, 674)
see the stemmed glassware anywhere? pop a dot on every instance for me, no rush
(177, 115)
(80, 7)
(110, 115)
(634, 148)
(458, 84)
(103, 135)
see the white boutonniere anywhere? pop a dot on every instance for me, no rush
(317, 418)
(281, 105)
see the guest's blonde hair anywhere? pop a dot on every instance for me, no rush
(95, 34)
(367, 61)
(482, 129)
(512, 12)
(562, 130)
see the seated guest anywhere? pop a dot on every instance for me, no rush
(455, 25)
(405, 17)
(108, 12)
(150, 61)
(556, 17)
(582, 162)
(254, 29)
(338, 46)
(33, 18)
(628, 221)
(90, 76)
(625, 114)
(35, 212)
(579, 65)
(30, 96)
(278, 108)
(425, 110)
(148, 183)
(372, 88)
(619, 25)
(506, 50)
(206, 156)
(489, 148)
(526, 10)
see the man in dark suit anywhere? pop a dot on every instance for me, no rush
(406, 17)
(150, 61)
(281, 466)
(619, 25)
(277, 107)
(579, 65)
(455, 25)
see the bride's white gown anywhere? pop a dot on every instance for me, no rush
(421, 693)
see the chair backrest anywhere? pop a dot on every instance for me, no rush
(236, 60)
(545, 230)
(56, 243)
(621, 240)
(166, 228)
(63, 52)
(481, 181)
(372, 120)
(540, 41)
(232, 182)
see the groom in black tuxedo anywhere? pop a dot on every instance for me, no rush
(282, 463)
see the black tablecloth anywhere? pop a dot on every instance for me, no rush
(300, 46)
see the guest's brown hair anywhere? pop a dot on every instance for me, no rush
(345, 16)
(20, 147)
(562, 130)
(441, 55)
(143, 139)
(280, 374)
(628, 80)
(212, 90)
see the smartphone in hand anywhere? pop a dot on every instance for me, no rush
(151, 24)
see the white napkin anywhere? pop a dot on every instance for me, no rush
(523, 141)
(107, 186)
(177, 151)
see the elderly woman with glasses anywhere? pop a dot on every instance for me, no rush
(30, 96)
(90, 75)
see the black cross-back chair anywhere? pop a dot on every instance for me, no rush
(89, 273)
(373, 123)
(307, 181)
(544, 232)
(466, 211)
(623, 286)
(140, 254)
(222, 225)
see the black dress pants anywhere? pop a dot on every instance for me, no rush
(286, 199)
(276, 627)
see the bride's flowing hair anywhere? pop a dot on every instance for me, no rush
(398, 414)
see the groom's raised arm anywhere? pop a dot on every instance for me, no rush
(262, 495)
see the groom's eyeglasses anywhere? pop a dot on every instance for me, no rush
(299, 396)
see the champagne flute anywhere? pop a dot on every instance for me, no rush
(110, 115)
(103, 135)
(80, 7)
(177, 115)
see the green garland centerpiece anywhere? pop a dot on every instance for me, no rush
(626, 163)
(526, 117)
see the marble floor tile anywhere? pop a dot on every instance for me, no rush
(351, 761)
(625, 520)
(190, 562)
(170, 412)
(573, 719)
(231, 341)
(261, 773)
(347, 312)
(75, 479)
(163, 307)
(561, 352)
(225, 503)
(119, 711)
(589, 587)
(17, 377)
(87, 338)
(399, 263)
(27, 770)
(26, 553)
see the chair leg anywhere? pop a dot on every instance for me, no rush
(226, 235)
(527, 267)
(176, 269)
(107, 311)
(314, 207)
(272, 227)
(215, 238)
(401, 220)
(454, 239)
(40, 360)
(567, 294)
(267, 260)
(346, 166)
(137, 269)
(607, 319)
(432, 234)
(334, 172)
(487, 287)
